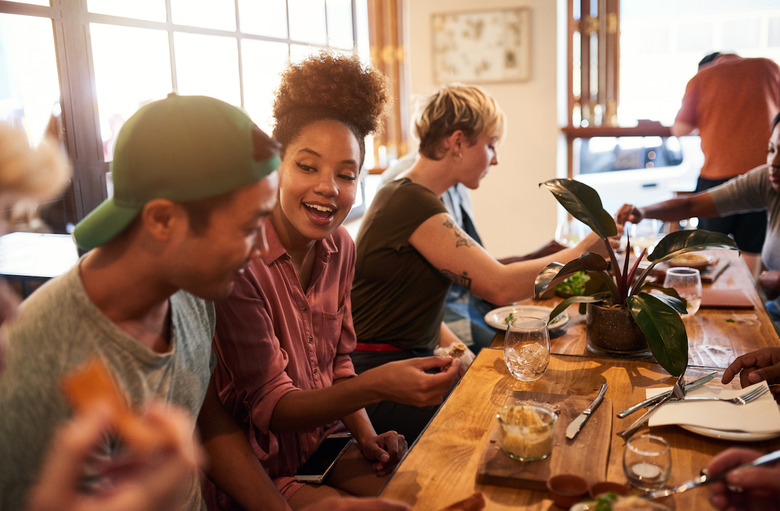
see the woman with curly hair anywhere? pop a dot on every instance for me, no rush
(285, 334)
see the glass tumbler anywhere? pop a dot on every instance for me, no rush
(687, 283)
(527, 348)
(647, 461)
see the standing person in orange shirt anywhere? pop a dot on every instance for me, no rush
(731, 102)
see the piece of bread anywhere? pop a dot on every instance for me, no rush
(92, 384)
(457, 349)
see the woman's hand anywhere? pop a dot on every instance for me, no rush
(387, 449)
(749, 488)
(421, 381)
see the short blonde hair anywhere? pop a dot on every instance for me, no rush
(457, 107)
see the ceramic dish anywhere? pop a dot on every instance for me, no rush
(496, 317)
(737, 436)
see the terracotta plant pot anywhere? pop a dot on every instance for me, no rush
(611, 331)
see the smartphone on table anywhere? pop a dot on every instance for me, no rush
(320, 463)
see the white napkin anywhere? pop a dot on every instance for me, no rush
(760, 416)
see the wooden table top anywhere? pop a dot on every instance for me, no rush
(441, 467)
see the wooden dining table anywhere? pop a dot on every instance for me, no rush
(443, 465)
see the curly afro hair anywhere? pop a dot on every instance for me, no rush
(329, 86)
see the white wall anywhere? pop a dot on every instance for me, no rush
(513, 214)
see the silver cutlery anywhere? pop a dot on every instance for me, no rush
(575, 425)
(677, 389)
(652, 400)
(743, 399)
(705, 479)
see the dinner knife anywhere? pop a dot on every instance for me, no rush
(652, 400)
(577, 423)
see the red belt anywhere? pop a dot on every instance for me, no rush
(370, 346)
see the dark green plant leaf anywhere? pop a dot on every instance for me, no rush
(577, 299)
(670, 291)
(680, 242)
(664, 330)
(673, 300)
(584, 204)
(601, 282)
(554, 273)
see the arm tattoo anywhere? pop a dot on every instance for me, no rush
(463, 279)
(462, 239)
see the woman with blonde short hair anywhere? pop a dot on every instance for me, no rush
(410, 249)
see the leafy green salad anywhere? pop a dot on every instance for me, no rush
(574, 285)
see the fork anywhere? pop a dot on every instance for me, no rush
(747, 397)
(677, 390)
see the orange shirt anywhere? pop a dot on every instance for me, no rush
(732, 101)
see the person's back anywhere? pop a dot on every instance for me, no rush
(732, 102)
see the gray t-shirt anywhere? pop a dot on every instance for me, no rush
(58, 329)
(753, 192)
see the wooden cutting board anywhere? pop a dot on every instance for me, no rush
(586, 455)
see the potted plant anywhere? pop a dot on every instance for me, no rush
(621, 290)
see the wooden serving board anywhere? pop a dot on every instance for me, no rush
(586, 455)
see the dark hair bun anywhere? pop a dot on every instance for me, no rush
(329, 86)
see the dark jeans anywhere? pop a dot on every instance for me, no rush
(747, 229)
(407, 420)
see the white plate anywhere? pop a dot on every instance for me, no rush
(495, 318)
(738, 436)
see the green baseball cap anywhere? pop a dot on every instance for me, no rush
(181, 148)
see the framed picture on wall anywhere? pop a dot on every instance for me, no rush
(482, 46)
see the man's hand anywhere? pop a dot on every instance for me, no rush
(628, 213)
(151, 479)
(756, 488)
(759, 365)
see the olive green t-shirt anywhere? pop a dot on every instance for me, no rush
(398, 297)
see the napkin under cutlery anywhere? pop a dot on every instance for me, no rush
(760, 416)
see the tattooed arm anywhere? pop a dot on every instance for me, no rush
(447, 247)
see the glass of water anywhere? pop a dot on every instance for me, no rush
(647, 461)
(527, 348)
(687, 283)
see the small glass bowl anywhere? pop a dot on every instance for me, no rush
(526, 431)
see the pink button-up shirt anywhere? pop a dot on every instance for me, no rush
(274, 337)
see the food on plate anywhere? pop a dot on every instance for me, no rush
(573, 285)
(92, 384)
(526, 431)
(473, 503)
(691, 259)
(613, 502)
(508, 319)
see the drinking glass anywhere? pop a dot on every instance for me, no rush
(647, 461)
(527, 348)
(570, 232)
(687, 283)
(646, 234)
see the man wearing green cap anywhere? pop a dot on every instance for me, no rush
(194, 183)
